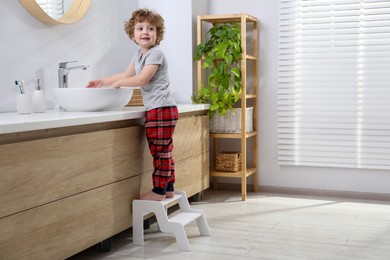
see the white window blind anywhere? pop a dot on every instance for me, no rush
(334, 83)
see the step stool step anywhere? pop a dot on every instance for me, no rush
(173, 225)
(169, 200)
(185, 218)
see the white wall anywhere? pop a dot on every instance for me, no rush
(199, 7)
(30, 48)
(270, 173)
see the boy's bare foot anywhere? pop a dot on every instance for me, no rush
(152, 196)
(170, 194)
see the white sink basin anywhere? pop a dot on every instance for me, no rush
(92, 99)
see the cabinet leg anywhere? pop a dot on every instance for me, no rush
(196, 197)
(106, 244)
(215, 183)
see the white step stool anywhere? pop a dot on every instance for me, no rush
(173, 225)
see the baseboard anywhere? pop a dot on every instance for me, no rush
(307, 192)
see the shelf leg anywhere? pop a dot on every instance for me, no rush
(243, 188)
(255, 181)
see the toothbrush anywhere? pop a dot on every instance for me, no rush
(22, 84)
(18, 85)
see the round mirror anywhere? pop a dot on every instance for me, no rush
(57, 11)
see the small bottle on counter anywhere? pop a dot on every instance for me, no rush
(38, 99)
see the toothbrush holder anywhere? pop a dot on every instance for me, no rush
(24, 103)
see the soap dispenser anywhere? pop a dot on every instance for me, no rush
(38, 99)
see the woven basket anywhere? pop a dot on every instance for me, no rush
(231, 121)
(228, 162)
(136, 98)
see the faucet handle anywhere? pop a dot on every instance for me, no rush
(62, 65)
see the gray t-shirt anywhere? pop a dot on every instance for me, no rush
(157, 92)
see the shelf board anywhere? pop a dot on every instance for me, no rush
(215, 173)
(248, 57)
(232, 135)
(251, 57)
(227, 18)
(249, 96)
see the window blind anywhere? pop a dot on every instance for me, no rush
(334, 83)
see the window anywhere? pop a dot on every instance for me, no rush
(334, 83)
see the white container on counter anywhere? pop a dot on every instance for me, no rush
(38, 101)
(24, 103)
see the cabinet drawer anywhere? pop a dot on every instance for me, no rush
(62, 228)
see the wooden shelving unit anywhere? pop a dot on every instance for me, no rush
(249, 37)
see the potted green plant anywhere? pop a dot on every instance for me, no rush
(220, 55)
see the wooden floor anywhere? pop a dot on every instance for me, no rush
(269, 226)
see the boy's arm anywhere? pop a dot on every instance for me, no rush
(137, 80)
(107, 81)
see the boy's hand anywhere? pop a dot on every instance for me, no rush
(116, 84)
(95, 84)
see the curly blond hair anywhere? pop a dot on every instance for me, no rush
(142, 15)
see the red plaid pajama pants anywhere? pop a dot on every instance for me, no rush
(160, 124)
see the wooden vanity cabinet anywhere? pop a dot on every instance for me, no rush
(63, 190)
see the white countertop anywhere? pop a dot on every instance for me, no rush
(14, 122)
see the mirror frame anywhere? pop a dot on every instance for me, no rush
(77, 10)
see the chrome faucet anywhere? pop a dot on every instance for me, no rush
(63, 72)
